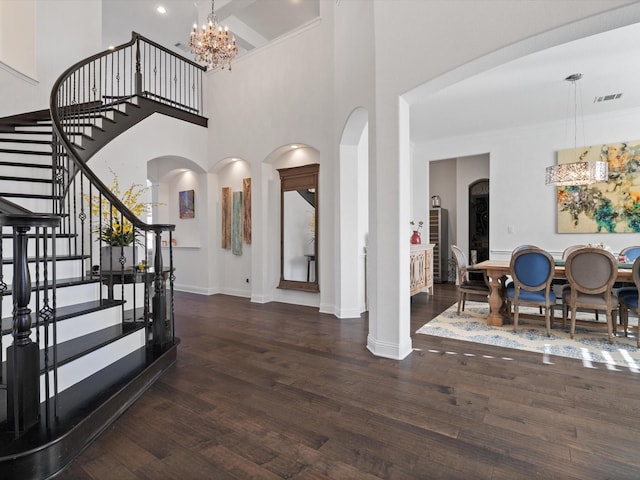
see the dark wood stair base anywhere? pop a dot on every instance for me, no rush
(87, 409)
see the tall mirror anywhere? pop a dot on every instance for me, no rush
(299, 228)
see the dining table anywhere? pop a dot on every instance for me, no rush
(497, 272)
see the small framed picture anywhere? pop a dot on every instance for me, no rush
(187, 206)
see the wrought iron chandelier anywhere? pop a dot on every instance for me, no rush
(580, 172)
(213, 45)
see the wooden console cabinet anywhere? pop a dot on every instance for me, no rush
(421, 268)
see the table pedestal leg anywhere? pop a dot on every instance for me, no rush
(496, 299)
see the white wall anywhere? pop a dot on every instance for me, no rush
(233, 270)
(276, 96)
(182, 148)
(523, 208)
(488, 31)
(18, 35)
(66, 31)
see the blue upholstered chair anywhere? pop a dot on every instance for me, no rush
(631, 253)
(532, 270)
(591, 273)
(630, 301)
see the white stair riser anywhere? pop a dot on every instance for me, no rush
(27, 172)
(27, 135)
(25, 158)
(35, 128)
(76, 371)
(64, 296)
(29, 147)
(64, 269)
(35, 205)
(72, 327)
(33, 188)
(62, 245)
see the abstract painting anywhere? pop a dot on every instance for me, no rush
(246, 190)
(226, 218)
(606, 207)
(186, 202)
(236, 224)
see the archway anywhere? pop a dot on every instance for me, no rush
(352, 211)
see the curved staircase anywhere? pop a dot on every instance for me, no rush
(78, 346)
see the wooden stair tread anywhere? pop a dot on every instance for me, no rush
(29, 195)
(25, 164)
(73, 349)
(25, 179)
(84, 410)
(69, 311)
(61, 283)
(25, 152)
(59, 258)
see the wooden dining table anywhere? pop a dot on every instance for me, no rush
(497, 271)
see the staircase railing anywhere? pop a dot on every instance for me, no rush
(87, 97)
(23, 359)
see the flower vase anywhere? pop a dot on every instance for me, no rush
(415, 238)
(108, 264)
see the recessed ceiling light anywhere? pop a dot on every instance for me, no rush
(294, 146)
(161, 10)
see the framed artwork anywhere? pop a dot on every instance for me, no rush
(236, 224)
(246, 228)
(606, 207)
(186, 202)
(226, 218)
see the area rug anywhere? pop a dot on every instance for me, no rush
(588, 344)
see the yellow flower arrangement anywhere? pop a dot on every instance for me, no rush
(113, 228)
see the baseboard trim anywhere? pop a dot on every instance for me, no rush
(388, 350)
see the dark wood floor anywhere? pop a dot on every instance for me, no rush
(279, 391)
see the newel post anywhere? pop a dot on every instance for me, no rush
(23, 370)
(161, 327)
(138, 90)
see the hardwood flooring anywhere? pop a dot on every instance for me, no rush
(279, 391)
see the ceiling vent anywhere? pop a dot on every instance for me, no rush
(181, 46)
(606, 98)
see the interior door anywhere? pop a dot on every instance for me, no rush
(479, 221)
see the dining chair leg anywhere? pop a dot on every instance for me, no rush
(624, 318)
(610, 326)
(516, 311)
(547, 320)
(573, 323)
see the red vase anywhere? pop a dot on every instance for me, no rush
(415, 238)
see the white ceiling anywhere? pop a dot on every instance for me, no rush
(253, 22)
(526, 91)
(532, 89)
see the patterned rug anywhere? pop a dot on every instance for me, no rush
(588, 344)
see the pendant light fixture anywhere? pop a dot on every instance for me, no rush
(580, 172)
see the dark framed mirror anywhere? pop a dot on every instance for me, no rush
(299, 228)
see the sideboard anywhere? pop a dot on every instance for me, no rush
(421, 268)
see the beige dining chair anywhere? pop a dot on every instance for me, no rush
(591, 273)
(465, 285)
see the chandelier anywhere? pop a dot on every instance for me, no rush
(213, 45)
(580, 172)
